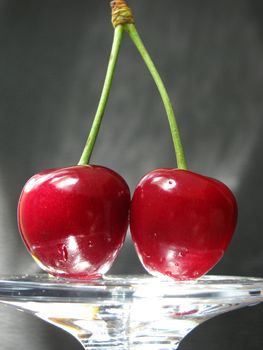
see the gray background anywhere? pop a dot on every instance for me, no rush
(52, 64)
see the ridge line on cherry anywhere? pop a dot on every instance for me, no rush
(73, 220)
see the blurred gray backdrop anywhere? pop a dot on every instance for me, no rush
(53, 57)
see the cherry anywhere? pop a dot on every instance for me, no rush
(73, 220)
(181, 222)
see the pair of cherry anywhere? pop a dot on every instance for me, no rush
(74, 221)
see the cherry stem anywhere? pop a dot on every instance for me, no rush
(179, 151)
(88, 149)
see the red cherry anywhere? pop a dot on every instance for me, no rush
(74, 220)
(181, 222)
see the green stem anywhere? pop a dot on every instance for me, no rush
(86, 155)
(134, 35)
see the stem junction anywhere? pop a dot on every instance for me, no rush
(122, 19)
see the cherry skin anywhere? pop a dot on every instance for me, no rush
(181, 222)
(74, 220)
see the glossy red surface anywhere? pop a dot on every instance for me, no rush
(74, 220)
(181, 222)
